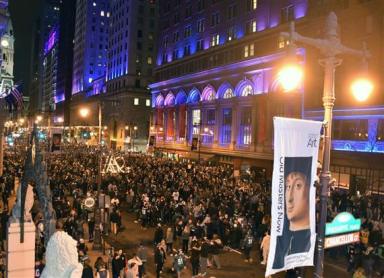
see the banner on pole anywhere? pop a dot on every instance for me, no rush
(293, 233)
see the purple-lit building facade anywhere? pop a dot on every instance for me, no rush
(91, 44)
(216, 80)
(56, 74)
(131, 57)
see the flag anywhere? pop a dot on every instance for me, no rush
(293, 222)
(15, 91)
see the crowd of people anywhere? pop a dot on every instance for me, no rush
(197, 210)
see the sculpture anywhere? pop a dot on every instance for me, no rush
(16, 211)
(61, 257)
(35, 170)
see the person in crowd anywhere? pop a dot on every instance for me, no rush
(204, 254)
(159, 235)
(179, 263)
(159, 260)
(169, 240)
(247, 245)
(217, 246)
(39, 267)
(87, 269)
(265, 247)
(114, 218)
(195, 257)
(142, 254)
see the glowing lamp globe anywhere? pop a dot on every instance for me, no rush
(84, 112)
(361, 89)
(290, 77)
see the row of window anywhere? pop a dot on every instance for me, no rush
(202, 4)
(355, 130)
(136, 102)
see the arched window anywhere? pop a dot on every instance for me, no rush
(247, 91)
(228, 93)
(169, 100)
(208, 94)
(159, 101)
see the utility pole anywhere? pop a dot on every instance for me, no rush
(330, 47)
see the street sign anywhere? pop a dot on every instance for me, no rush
(341, 240)
(344, 222)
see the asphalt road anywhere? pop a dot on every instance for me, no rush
(233, 265)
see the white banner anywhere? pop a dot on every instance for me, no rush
(293, 233)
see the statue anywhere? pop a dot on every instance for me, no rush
(35, 170)
(16, 211)
(61, 257)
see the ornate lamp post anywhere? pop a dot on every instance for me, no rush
(331, 48)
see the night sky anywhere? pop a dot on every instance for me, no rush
(23, 13)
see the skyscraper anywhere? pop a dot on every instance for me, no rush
(57, 63)
(132, 46)
(91, 44)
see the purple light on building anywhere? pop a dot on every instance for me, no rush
(50, 43)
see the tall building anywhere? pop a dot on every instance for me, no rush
(6, 47)
(217, 86)
(91, 44)
(46, 20)
(131, 56)
(57, 64)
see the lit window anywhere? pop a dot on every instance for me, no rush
(283, 42)
(254, 4)
(136, 101)
(247, 91)
(147, 102)
(149, 60)
(108, 14)
(251, 49)
(94, 4)
(246, 51)
(196, 121)
(228, 93)
(215, 40)
(90, 80)
(102, 13)
(254, 26)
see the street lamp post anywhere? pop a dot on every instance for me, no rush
(330, 47)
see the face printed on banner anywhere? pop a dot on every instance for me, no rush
(297, 201)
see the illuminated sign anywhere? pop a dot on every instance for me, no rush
(341, 240)
(344, 222)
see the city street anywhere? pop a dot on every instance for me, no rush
(233, 264)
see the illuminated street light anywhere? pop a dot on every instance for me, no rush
(135, 128)
(84, 112)
(126, 127)
(332, 48)
(39, 118)
(60, 119)
(22, 121)
(290, 77)
(361, 89)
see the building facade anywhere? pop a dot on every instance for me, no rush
(91, 44)
(6, 47)
(131, 57)
(217, 85)
(57, 65)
